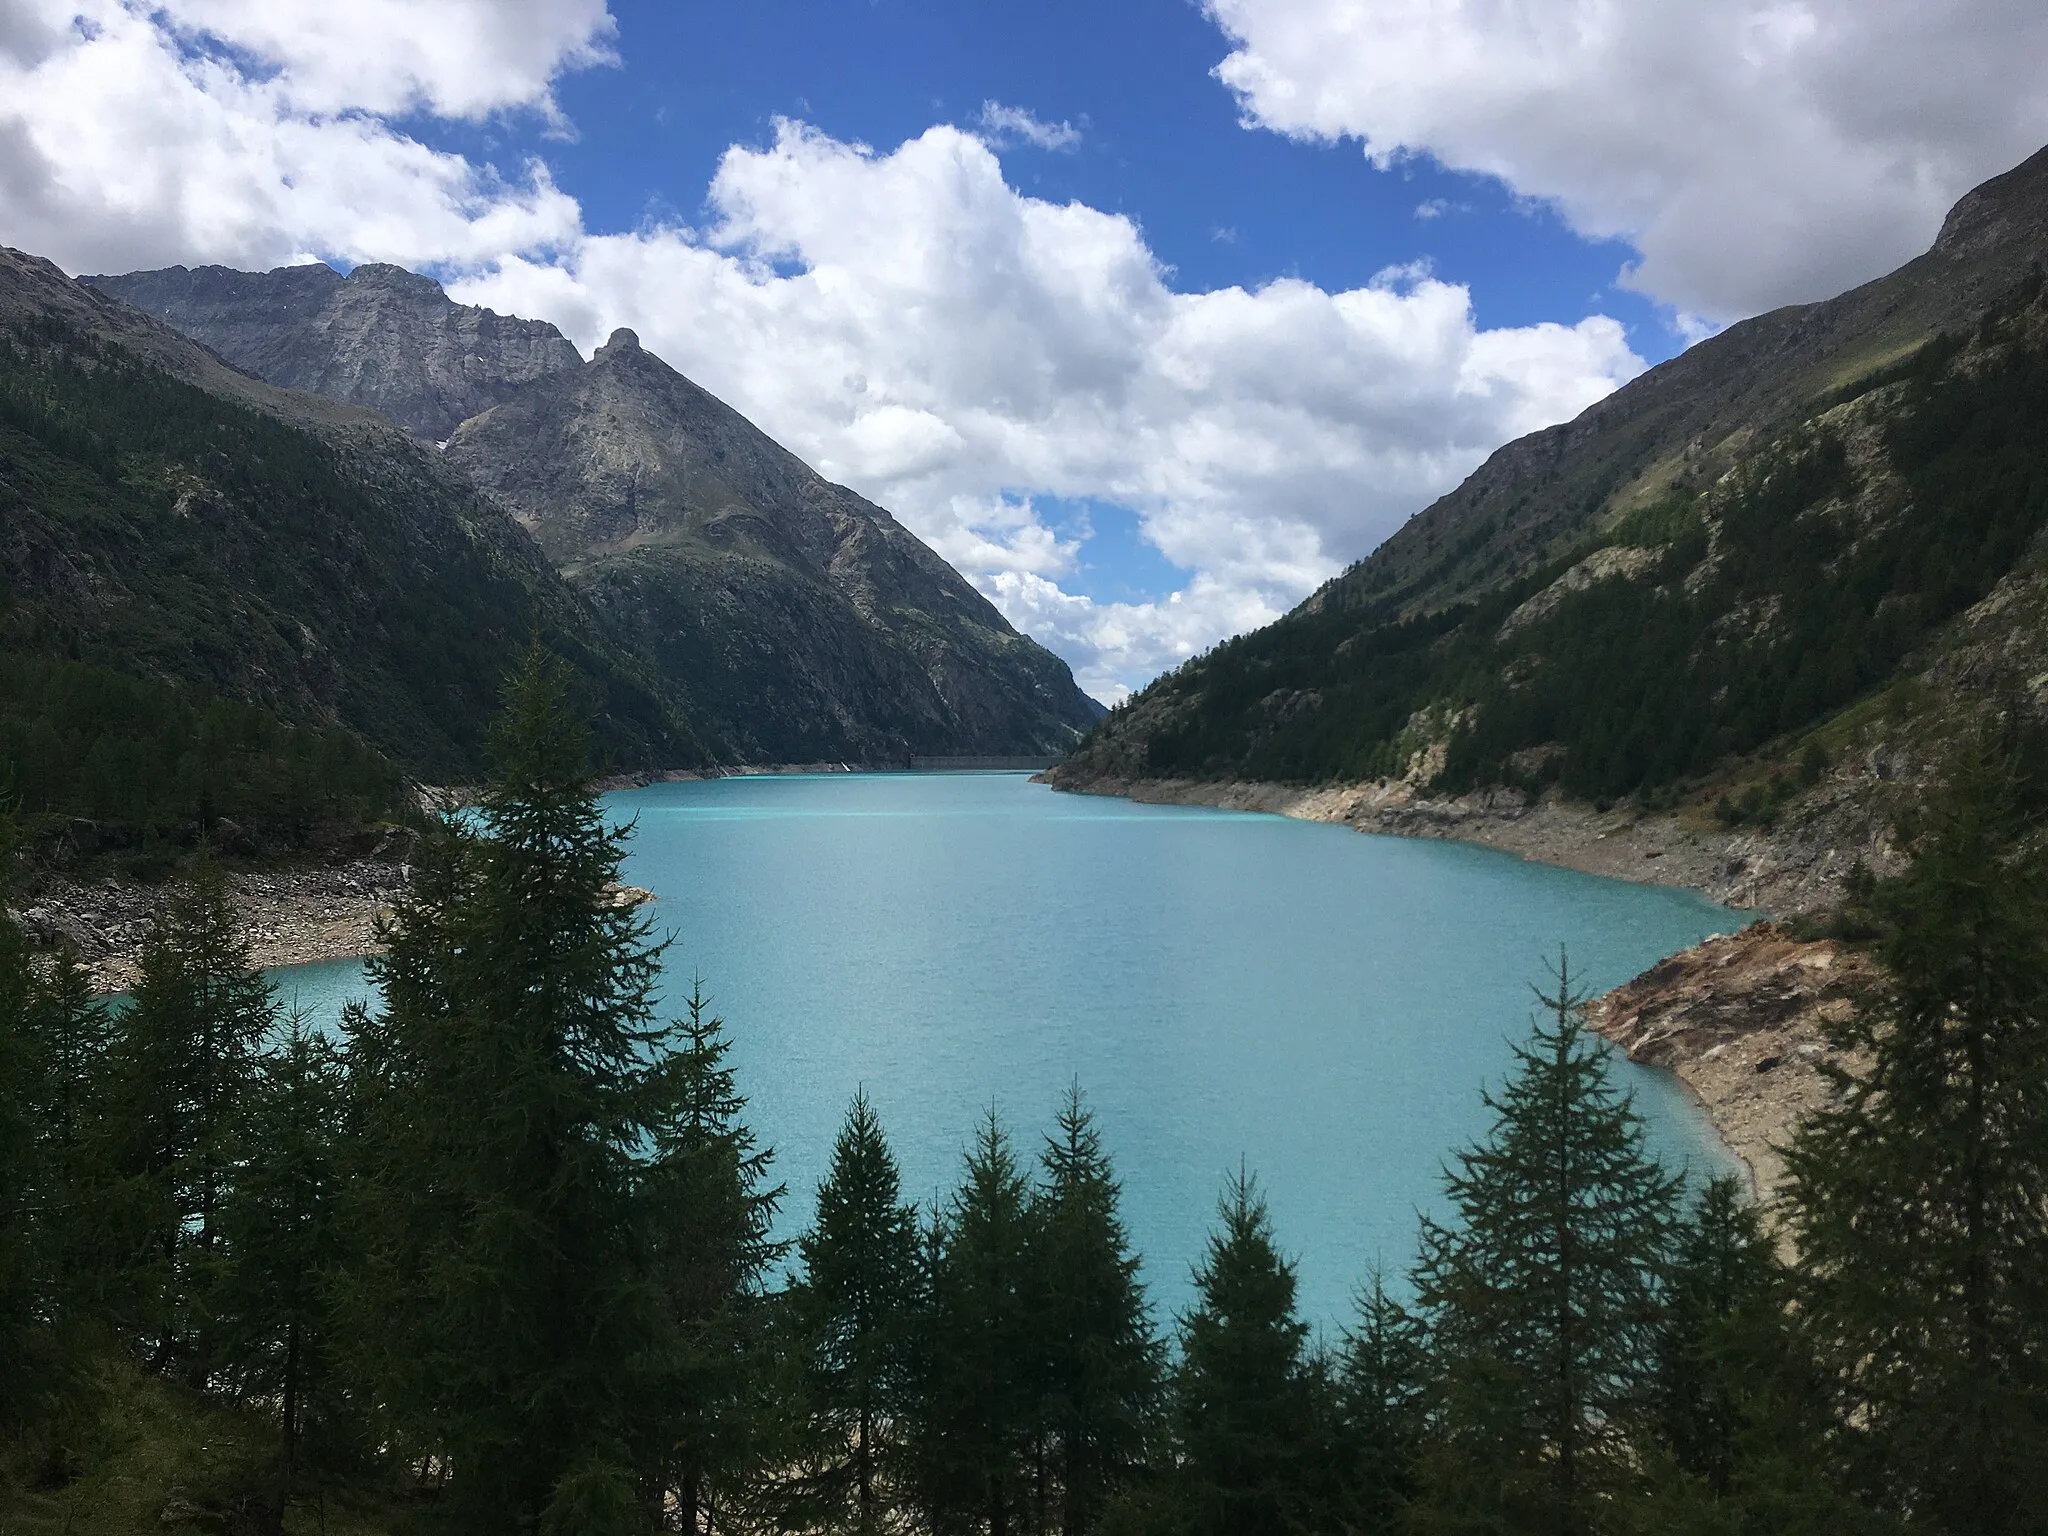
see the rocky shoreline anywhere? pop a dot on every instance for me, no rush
(1800, 864)
(1740, 1019)
(290, 916)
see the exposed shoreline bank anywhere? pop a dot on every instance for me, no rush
(290, 916)
(1798, 865)
(1739, 1019)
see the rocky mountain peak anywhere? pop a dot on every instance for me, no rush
(382, 336)
(621, 342)
(2007, 210)
(398, 280)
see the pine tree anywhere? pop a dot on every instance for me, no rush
(976, 1398)
(1247, 1405)
(286, 1239)
(1738, 1414)
(22, 1278)
(708, 1210)
(1542, 1301)
(1384, 1410)
(856, 1306)
(181, 1068)
(1723, 1294)
(508, 1091)
(1100, 1366)
(1916, 1200)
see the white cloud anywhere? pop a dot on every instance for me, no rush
(1755, 152)
(246, 133)
(907, 321)
(1011, 125)
(454, 58)
(917, 328)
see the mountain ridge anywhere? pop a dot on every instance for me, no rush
(1763, 586)
(170, 525)
(798, 619)
(1683, 422)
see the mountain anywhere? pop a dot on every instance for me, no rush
(207, 583)
(800, 621)
(1813, 539)
(382, 337)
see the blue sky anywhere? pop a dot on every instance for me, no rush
(1149, 316)
(1160, 139)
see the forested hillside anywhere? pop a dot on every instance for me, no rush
(797, 620)
(214, 611)
(1817, 547)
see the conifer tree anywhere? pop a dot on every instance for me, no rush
(1247, 1399)
(52, 1039)
(856, 1306)
(1542, 1300)
(1722, 1296)
(708, 1209)
(1916, 1199)
(508, 1090)
(1100, 1366)
(21, 1278)
(976, 1399)
(181, 1067)
(1384, 1410)
(1737, 1410)
(286, 1239)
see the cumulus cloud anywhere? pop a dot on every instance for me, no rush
(248, 131)
(919, 329)
(905, 319)
(1754, 152)
(1002, 125)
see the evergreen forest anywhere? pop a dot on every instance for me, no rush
(1731, 615)
(503, 1257)
(211, 614)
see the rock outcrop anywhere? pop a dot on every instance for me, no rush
(381, 337)
(803, 621)
(1743, 1021)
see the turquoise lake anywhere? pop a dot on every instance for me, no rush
(1323, 1006)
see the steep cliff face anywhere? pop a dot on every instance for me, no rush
(380, 337)
(801, 621)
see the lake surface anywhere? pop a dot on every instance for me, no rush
(1322, 1005)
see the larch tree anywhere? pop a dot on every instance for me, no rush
(1543, 1297)
(708, 1208)
(856, 1306)
(976, 1398)
(508, 1092)
(1248, 1399)
(1100, 1365)
(182, 1066)
(287, 1240)
(1919, 1198)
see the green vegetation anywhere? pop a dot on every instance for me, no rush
(501, 1261)
(209, 615)
(1806, 580)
